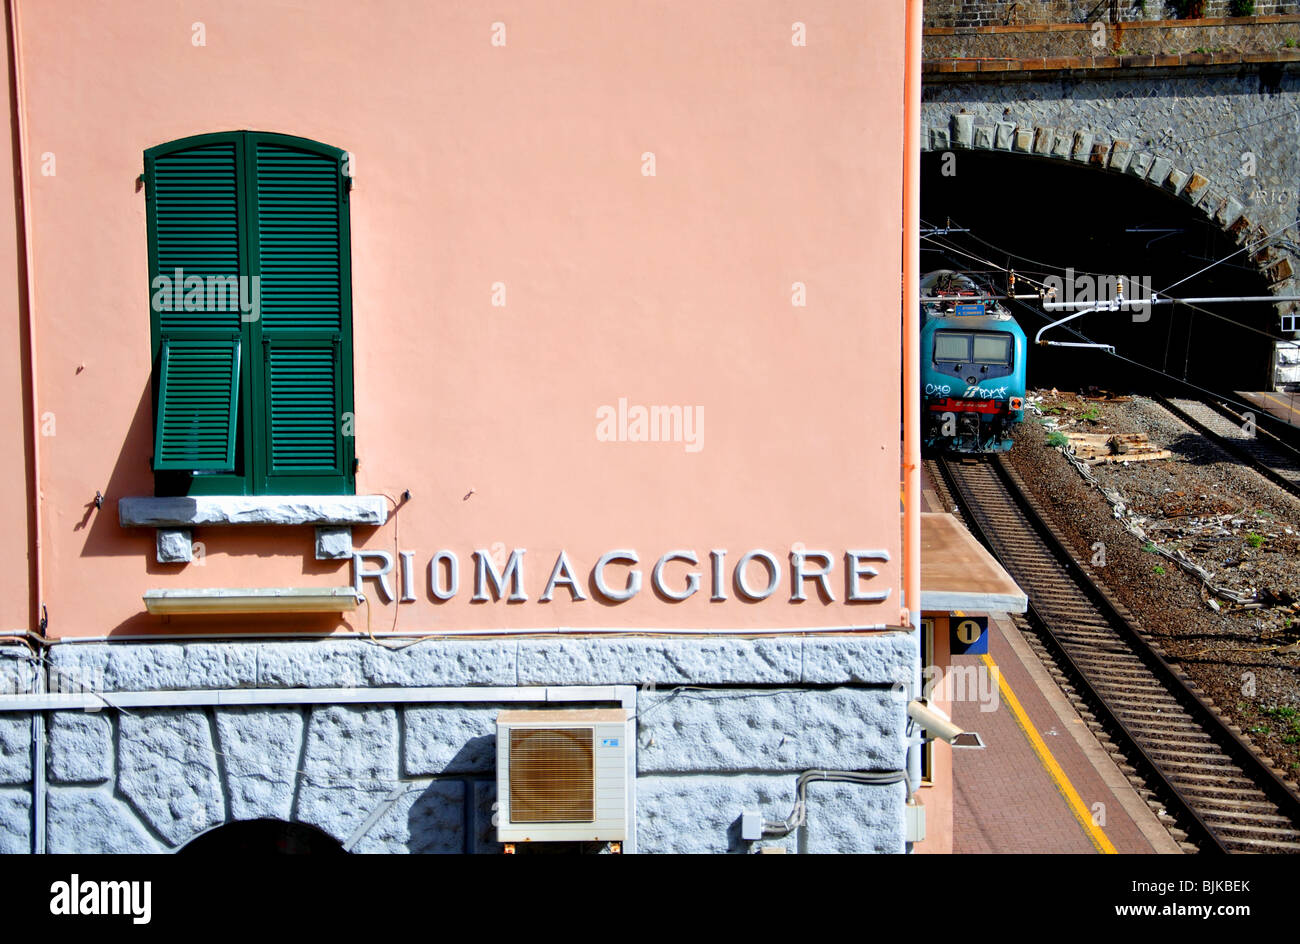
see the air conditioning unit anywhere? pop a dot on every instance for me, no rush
(562, 775)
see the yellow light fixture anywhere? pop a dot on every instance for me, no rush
(251, 600)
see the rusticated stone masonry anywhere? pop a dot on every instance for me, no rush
(722, 725)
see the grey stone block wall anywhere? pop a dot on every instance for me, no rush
(260, 749)
(701, 813)
(15, 820)
(877, 658)
(81, 747)
(703, 757)
(734, 730)
(15, 748)
(18, 674)
(722, 724)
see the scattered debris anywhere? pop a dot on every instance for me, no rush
(1098, 395)
(1133, 524)
(1234, 625)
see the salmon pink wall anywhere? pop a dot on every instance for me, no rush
(520, 164)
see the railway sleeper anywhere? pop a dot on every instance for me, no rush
(1157, 704)
(1127, 685)
(1281, 823)
(1127, 706)
(1188, 779)
(1175, 765)
(1097, 648)
(1190, 743)
(1114, 654)
(1267, 833)
(1215, 793)
(1091, 635)
(1227, 803)
(1267, 845)
(1171, 721)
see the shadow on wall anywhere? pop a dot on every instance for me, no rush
(131, 475)
(105, 537)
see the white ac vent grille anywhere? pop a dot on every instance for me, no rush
(562, 775)
(552, 779)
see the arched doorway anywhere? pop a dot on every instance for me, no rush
(263, 837)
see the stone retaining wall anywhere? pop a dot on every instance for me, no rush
(722, 724)
(1192, 135)
(967, 13)
(1162, 37)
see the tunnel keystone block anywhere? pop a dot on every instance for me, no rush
(963, 128)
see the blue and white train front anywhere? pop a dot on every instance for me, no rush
(973, 376)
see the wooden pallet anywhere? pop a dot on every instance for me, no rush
(1097, 448)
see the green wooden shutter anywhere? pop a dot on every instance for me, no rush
(198, 397)
(301, 259)
(194, 245)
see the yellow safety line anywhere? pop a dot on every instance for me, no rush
(1289, 408)
(1071, 796)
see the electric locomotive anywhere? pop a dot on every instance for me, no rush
(972, 366)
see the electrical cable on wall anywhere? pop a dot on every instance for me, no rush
(874, 778)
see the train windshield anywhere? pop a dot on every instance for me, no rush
(993, 349)
(966, 347)
(952, 347)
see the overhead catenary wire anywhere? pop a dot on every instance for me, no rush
(1136, 363)
(1062, 269)
(1194, 307)
(1249, 247)
(1155, 370)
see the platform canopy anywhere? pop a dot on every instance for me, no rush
(959, 574)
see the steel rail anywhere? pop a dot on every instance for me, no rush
(1230, 446)
(1249, 764)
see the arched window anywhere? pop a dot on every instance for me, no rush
(251, 316)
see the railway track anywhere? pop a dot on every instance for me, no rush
(1260, 450)
(1219, 794)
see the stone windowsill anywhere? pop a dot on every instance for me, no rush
(190, 512)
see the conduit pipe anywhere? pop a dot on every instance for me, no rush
(18, 107)
(912, 357)
(19, 111)
(912, 318)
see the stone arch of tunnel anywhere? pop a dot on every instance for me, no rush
(1042, 216)
(262, 837)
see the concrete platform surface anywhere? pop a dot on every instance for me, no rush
(1285, 406)
(1042, 784)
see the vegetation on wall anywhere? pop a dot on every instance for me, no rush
(1188, 9)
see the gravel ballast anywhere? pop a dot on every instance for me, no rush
(1242, 530)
